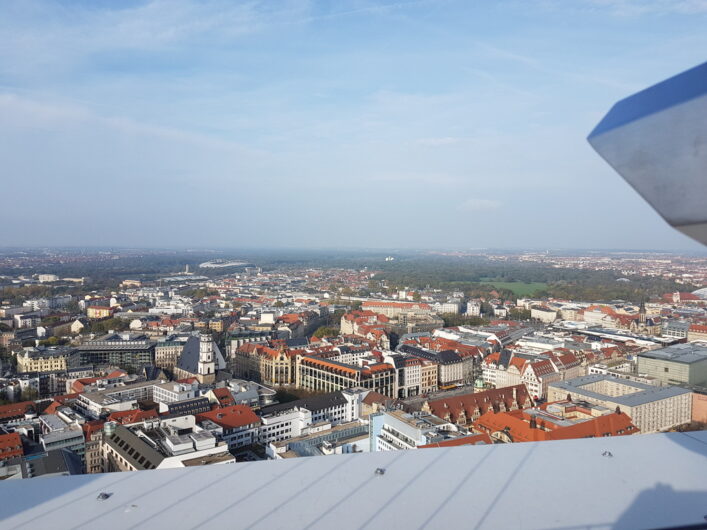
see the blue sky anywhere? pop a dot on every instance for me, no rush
(418, 124)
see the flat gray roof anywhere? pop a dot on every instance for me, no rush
(644, 394)
(687, 353)
(484, 486)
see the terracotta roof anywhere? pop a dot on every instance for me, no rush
(375, 397)
(10, 445)
(401, 305)
(541, 368)
(224, 396)
(59, 401)
(230, 417)
(493, 358)
(466, 405)
(325, 365)
(517, 424)
(91, 427)
(518, 362)
(127, 417)
(16, 410)
(473, 439)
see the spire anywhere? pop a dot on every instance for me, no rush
(642, 312)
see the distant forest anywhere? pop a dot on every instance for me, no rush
(472, 275)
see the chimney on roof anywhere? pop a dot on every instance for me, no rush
(569, 397)
(618, 410)
(533, 423)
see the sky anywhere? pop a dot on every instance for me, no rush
(451, 124)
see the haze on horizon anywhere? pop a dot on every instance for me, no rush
(409, 124)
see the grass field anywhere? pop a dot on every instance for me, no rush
(519, 288)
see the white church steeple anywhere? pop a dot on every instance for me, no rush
(206, 355)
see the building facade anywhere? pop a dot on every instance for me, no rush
(651, 408)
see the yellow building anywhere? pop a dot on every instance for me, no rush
(428, 377)
(97, 312)
(45, 359)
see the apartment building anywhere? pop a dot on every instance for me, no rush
(409, 374)
(395, 309)
(287, 420)
(452, 368)
(696, 332)
(397, 430)
(96, 312)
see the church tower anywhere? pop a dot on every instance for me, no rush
(642, 313)
(207, 366)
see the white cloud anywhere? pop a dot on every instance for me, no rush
(479, 205)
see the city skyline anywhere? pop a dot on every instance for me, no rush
(367, 125)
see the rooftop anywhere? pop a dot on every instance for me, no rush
(687, 353)
(497, 478)
(637, 393)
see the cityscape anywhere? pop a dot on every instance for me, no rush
(230, 360)
(353, 264)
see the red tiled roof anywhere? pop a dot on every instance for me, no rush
(230, 417)
(91, 427)
(59, 401)
(15, 410)
(127, 417)
(517, 424)
(224, 396)
(518, 362)
(401, 305)
(473, 439)
(452, 408)
(10, 445)
(541, 368)
(375, 397)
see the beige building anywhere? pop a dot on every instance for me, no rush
(98, 312)
(45, 359)
(395, 309)
(167, 353)
(543, 314)
(324, 375)
(428, 377)
(262, 364)
(696, 332)
(651, 408)
(93, 434)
